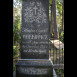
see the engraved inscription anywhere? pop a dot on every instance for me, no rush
(36, 50)
(35, 36)
(33, 71)
(35, 29)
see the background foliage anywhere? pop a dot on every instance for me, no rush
(16, 30)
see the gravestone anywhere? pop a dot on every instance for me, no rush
(34, 60)
(35, 29)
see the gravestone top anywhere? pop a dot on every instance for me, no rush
(35, 29)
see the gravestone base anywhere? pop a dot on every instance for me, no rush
(34, 68)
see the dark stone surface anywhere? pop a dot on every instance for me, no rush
(34, 69)
(34, 63)
(34, 40)
(35, 29)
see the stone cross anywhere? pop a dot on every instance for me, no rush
(35, 9)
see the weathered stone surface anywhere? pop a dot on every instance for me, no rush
(34, 40)
(35, 29)
(34, 69)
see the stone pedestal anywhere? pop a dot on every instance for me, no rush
(34, 68)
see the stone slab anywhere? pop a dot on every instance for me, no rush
(34, 69)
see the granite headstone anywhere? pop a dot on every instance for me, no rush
(34, 60)
(35, 29)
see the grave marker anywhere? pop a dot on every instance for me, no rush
(34, 60)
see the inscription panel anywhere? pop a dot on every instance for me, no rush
(35, 29)
(32, 71)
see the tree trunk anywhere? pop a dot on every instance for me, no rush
(63, 16)
(13, 14)
(54, 19)
(52, 27)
